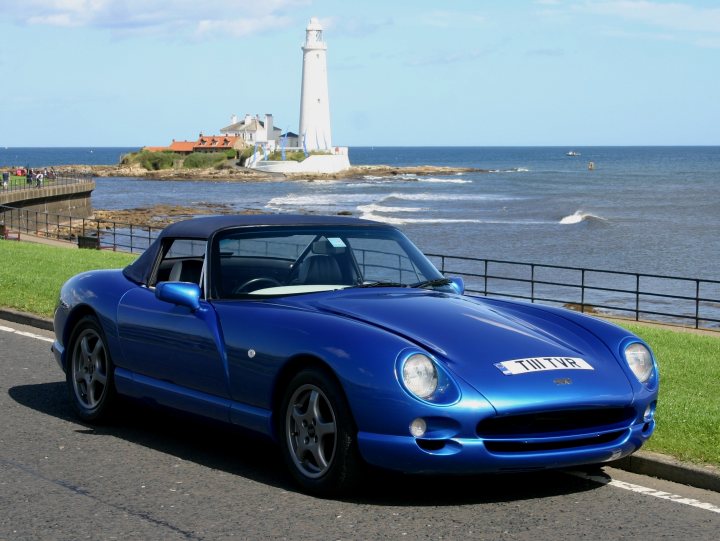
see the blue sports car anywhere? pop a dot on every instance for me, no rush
(336, 337)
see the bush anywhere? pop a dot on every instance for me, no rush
(296, 156)
(152, 161)
(204, 160)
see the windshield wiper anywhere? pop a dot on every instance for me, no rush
(425, 283)
(381, 284)
(433, 283)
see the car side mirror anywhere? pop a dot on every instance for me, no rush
(180, 293)
(458, 284)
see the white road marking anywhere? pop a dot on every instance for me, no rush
(648, 491)
(24, 333)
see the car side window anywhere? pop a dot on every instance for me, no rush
(182, 260)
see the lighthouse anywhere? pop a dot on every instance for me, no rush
(314, 103)
(314, 118)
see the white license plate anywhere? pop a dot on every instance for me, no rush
(542, 364)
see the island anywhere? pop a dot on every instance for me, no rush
(231, 172)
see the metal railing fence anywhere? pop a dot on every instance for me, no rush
(693, 302)
(86, 232)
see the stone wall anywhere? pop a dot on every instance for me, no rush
(67, 199)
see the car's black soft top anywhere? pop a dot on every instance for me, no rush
(203, 227)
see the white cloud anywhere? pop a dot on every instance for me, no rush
(708, 43)
(241, 27)
(161, 17)
(443, 58)
(447, 19)
(673, 16)
(355, 26)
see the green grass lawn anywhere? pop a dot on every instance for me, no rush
(688, 414)
(16, 182)
(31, 274)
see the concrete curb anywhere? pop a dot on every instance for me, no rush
(38, 322)
(643, 462)
(670, 469)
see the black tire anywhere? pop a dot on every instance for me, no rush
(90, 372)
(318, 436)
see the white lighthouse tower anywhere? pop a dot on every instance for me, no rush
(314, 117)
(314, 103)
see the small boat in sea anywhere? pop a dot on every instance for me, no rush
(572, 153)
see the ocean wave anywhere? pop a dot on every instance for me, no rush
(403, 176)
(428, 196)
(320, 200)
(435, 180)
(381, 208)
(372, 184)
(395, 202)
(511, 170)
(580, 216)
(393, 220)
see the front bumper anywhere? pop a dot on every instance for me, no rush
(471, 455)
(59, 352)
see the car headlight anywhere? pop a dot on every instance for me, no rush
(420, 375)
(639, 360)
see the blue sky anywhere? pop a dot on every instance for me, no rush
(459, 72)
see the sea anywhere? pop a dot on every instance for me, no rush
(650, 210)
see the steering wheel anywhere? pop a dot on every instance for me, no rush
(252, 284)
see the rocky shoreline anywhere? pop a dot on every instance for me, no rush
(233, 173)
(161, 215)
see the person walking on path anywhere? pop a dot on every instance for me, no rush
(5, 180)
(28, 176)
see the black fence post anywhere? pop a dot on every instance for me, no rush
(532, 283)
(485, 277)
(697, 304)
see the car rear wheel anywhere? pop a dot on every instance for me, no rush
(89, 374)
(318, 436)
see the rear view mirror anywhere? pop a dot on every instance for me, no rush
(180, 293)
(330, 246)
(458, 284)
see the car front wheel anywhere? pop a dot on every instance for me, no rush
(90, 371)
(318, 436)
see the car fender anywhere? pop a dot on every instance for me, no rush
(94, 293)
(356, 353)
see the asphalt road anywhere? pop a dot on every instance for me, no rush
(155, 475)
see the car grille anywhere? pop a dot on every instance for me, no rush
(520, 446)
(555, 423)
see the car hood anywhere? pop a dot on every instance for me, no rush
(471, 337)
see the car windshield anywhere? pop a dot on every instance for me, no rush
(287, 261)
